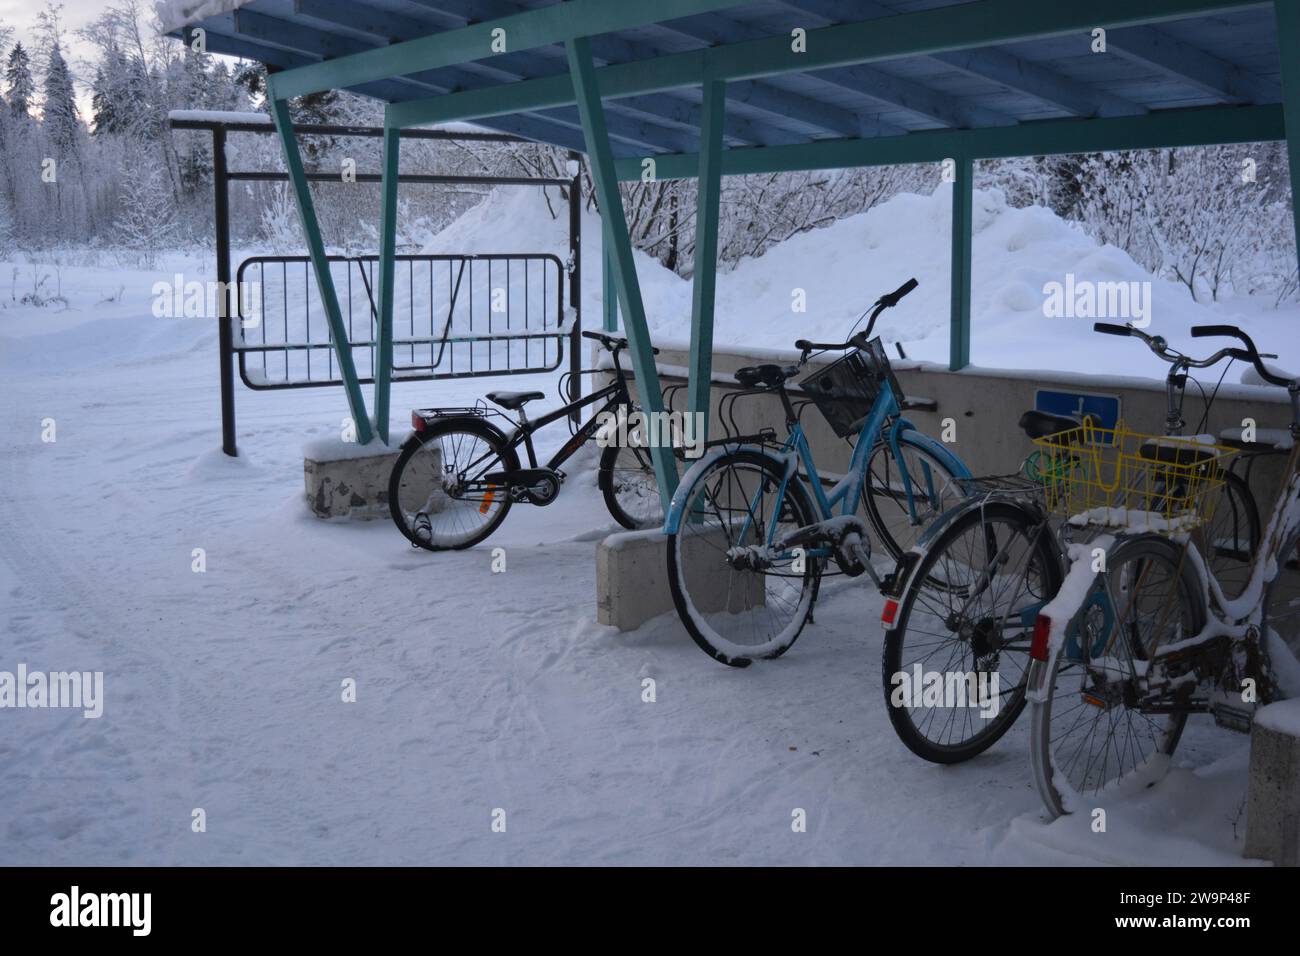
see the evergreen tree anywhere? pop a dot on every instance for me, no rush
(60, 106)
(18, 80)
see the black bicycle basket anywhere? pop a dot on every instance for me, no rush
(845, 390)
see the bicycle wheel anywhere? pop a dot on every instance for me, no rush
(1232, 535)
(437, 494)
(627, 480)
(737, 599)
(956, 662)
(897, 519)
(1090, 736)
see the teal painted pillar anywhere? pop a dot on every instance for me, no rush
(607, 292)
(959, 343)
(387, 249)
(320, 265)
(704, 281)
(1288, 42)
(614, 228)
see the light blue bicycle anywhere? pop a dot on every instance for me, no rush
(752, 526)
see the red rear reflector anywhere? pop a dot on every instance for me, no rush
(890, 612)
(1042, 630)
(417, 421)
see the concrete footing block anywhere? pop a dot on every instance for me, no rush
(347, 480)
(632, 578)
(1273, 794)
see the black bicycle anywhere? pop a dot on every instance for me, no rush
(459, 471)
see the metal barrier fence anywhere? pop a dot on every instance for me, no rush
(454, 316)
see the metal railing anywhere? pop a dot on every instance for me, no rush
(455, 316)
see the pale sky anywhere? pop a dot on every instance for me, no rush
(21, 16)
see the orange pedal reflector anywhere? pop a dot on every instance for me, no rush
(487, 501)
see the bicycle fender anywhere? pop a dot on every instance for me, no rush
(904, 432)
(786, 464)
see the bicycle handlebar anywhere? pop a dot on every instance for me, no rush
(1158, 345)
(611, 342)
(887, 301)
(1250, 354)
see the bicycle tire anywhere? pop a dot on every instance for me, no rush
(696, 620)
(1053, 781)
(503, 457)
(874, 494)
(921, 601)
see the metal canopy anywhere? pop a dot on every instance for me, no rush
(705, 88)
(909, 65)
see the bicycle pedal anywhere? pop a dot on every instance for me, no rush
(1232, 715)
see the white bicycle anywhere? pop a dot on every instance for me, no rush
(1126, 651)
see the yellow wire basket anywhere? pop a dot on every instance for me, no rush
(1127, 480)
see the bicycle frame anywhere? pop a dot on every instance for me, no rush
(618, 396)
(846, 492)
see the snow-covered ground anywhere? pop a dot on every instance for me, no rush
(475, 690)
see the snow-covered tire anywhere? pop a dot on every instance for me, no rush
(497, 456)
(1149, 739)
(705, 612)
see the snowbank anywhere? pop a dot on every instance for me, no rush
(840, 270)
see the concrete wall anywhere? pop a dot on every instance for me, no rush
(986, 405)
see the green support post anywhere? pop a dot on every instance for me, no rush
(962, 194)
(320, 264)
(387, 249)
(609, 296)
(614, 226)
(704, 281)
(1288, 43)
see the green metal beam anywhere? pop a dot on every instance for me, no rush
(609, 296)
(614, 227)
(962, 198)
(387, 249)
(1288, 39)
(937, 30)
(704, 278)
(522, 31)
(320, 264)
(1178, 127)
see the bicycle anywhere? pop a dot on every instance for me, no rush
(749, 537)
(1110, 702)
(459, 471)
(1001, 562)
(1235, 529)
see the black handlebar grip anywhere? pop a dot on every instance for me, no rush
(1205, 331)
(803, 345)
(1111, 329)
(891, 300)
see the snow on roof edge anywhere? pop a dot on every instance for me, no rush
(176, 14)
(219, 116)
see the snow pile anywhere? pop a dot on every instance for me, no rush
(836, 273)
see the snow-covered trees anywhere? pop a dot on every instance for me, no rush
(146, 222)
(1215, 219)
(20, 89)
(59, 107)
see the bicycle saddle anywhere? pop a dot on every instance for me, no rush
(1038, 424)
(768, 375)
(513, 400)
